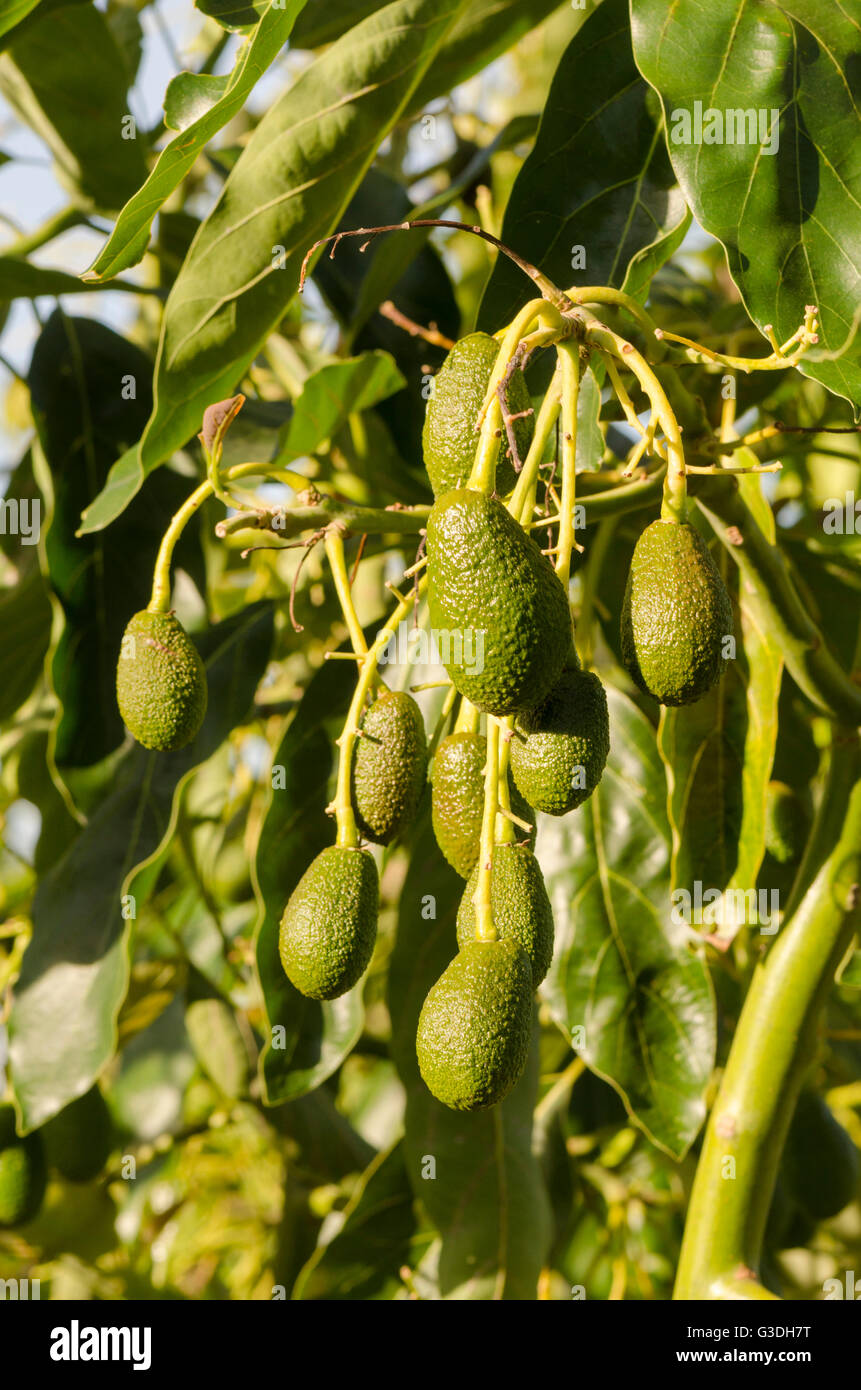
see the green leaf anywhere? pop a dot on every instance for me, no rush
(333, 393)
(364, 1257)
(21, 280)
(785, 203)
(75, 973)
(624, 985)
(312, 1039)
(128, 241)
(24, 13)
(243, 268)
(597, 179)
(233, 14)
(25, 634)
(66, 78)
(484, 1194)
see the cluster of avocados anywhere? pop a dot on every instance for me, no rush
(485, 575)
(76, 1142)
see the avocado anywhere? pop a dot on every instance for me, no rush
(474, 1027)
(498, 610)
(562, 744)
(787, 823)
(161, 682)
(22, 1172)
(449, 437)
(78, 1140)
(675, 614)
(457, 800)
(820, 1161)
(520, 905)
(389, 766)
(329, 925)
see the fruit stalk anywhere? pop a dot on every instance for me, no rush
(485, 929)
(521, 501)
(334, 543)
(569, 360)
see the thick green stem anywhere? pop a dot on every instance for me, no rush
(770, 1054)
(569, 361)
(485, 930)
(334, 542)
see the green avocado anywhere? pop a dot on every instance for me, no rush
(474, 1027)
(22, 1172)
(457, 800)
(78, 1140)
(449, 438)
(161, 682)
(329, 925)
(498, 610)
(820, 1161)
(559, 750)
(521, 907)
(675, 615)
(787, 823)
(389, 766)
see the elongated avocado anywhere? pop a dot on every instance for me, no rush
(521, 907)
(161, 682)
(457, 800)
(498, 610)
(449, 437)
(473, 1032)
(329, 925)
(559, 750)
(78, 1139)
(22, 1172)
(389, 766)
(820, 1162)
(675, 615)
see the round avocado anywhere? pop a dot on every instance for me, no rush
(161, 682)
(559, 750)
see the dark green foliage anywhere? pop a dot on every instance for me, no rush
(329, 925)
(161, 682)
(521, 907)
(389, 766)
(564, 741)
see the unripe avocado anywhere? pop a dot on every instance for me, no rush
(520, 905)
(675, 615)
(389, 766)
(78, 1139)
(449, 437)
(498, 609)
(820, 1161)
(161, 682)
(561, 744)
(329, 925)
(474, 1027)
(22, 1172)
(457, 800)
(787, 823)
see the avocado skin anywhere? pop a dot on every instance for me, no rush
(486, 575)
(675, 614)
(389, 766)
(521, 907)
(457, 800)
(474, 1027)
(449, 436)
(571, 729)
(22, 1172)
(78, 1139)
(787, 823)
(161, 688)
(329, 926)
(820, 1161)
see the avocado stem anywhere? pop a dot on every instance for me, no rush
(569, 362)
(521, 501)
(504, 830)
(483, 475)
(334, 543)
(485, 929)
(468, 718)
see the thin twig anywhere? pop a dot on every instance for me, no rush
(431, 334)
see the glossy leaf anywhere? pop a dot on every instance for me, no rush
(624, 984)
(313, 1038)
(76, 969)
(128, 241)
(333, 393)
(598, 177)
(66, 78)
(784, 198)
(24, 13)
(484, 1192)
(25, 634)
(21, 280)
(233, 14)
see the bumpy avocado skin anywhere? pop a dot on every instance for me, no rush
(329, 925)
(474, 1027)
(22, 1172)
(490, 587)
(569, 731)
(389, 766)
(78, 1139)
(457, 800)
(787, 822)
(675, 615)
(449, 437)
(521, 907)
(820, 1162)
(161, 682)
